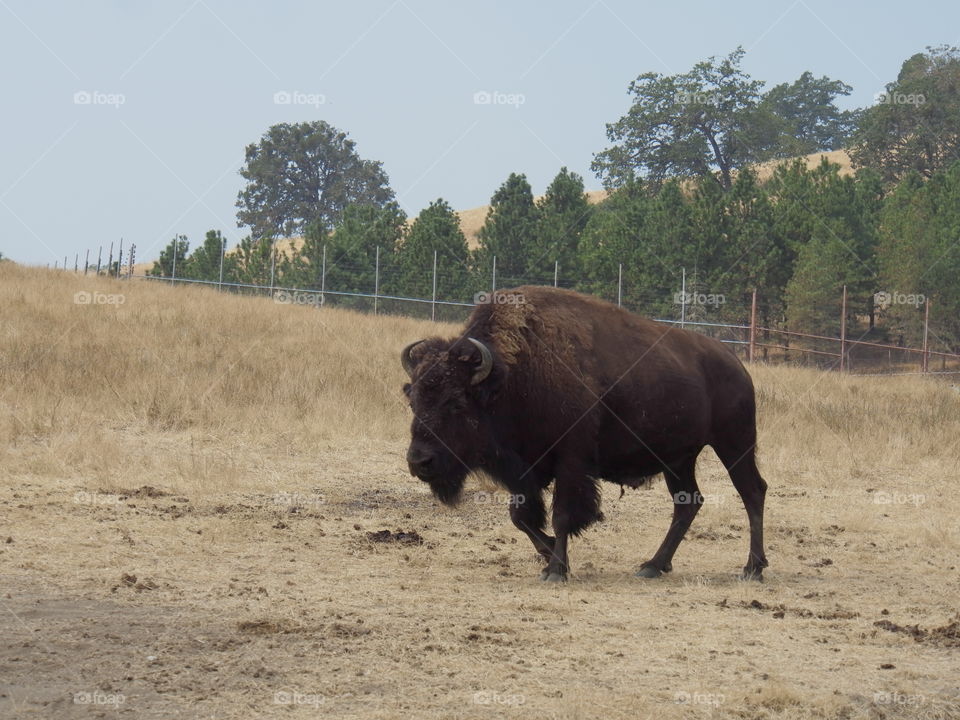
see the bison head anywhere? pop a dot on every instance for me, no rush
(450, 386)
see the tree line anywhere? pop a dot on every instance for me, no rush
(685, 208)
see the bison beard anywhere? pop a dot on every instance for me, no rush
(554, 386)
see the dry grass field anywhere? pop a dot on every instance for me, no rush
(194, 489)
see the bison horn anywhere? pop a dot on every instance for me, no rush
(405, 358)
(486, 362)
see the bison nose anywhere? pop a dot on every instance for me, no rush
(419, 460)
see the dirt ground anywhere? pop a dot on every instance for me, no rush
(205, 513)
(146, 602)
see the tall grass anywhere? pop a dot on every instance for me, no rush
(83, 385)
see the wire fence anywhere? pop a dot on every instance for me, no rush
(860, 344)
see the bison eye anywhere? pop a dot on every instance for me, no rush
(406, 389)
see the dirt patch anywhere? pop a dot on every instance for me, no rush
(401, 537)
(947, 635)
(144, 491)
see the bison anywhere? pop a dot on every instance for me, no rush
(550, 385)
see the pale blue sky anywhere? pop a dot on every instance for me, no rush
(198, 79)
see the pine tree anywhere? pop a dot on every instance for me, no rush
(564, 212)
(172, 258)
(204, 263)
(437, 228)
(510, 233)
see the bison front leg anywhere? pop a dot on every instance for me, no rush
(576, 505)
(529, 515)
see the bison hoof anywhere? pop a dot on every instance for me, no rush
(547, 576)
(752, 574)
(649, 571)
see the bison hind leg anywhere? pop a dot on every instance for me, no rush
(687, 500)
(753, 490)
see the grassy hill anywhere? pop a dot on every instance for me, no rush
(195, 488)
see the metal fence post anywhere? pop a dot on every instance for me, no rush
(99, 257)
(323, 276)
(493, 286)
(173, 274)
(273, 264)
(843, 330)
(925, 363)
(619, 284)
(556, 271)
(683, 296)
(753, 326)
(119, 259)
(110, 260)
(76, 262)
(223, 251)
(376, 281)
(86, 262)
(433, 301)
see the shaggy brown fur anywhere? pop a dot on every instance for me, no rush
(581, 390)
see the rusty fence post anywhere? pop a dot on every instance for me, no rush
(843, 330)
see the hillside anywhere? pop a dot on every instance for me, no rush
(207, 513)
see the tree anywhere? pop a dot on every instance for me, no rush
(814, 292)
(754, 256)
(915, 125)
(304, 267)
(437, 228)
(352, 249)
(204, 263)
(810, 121)
(711, 121)
(564, 212)
(305, 173)
(509, 233)
(255, 261)
(172, 257)
(612, 238)
(839, 215)
(920, 256)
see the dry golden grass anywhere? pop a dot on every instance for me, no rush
(189, 479)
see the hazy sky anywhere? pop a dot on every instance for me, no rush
(129, 119)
